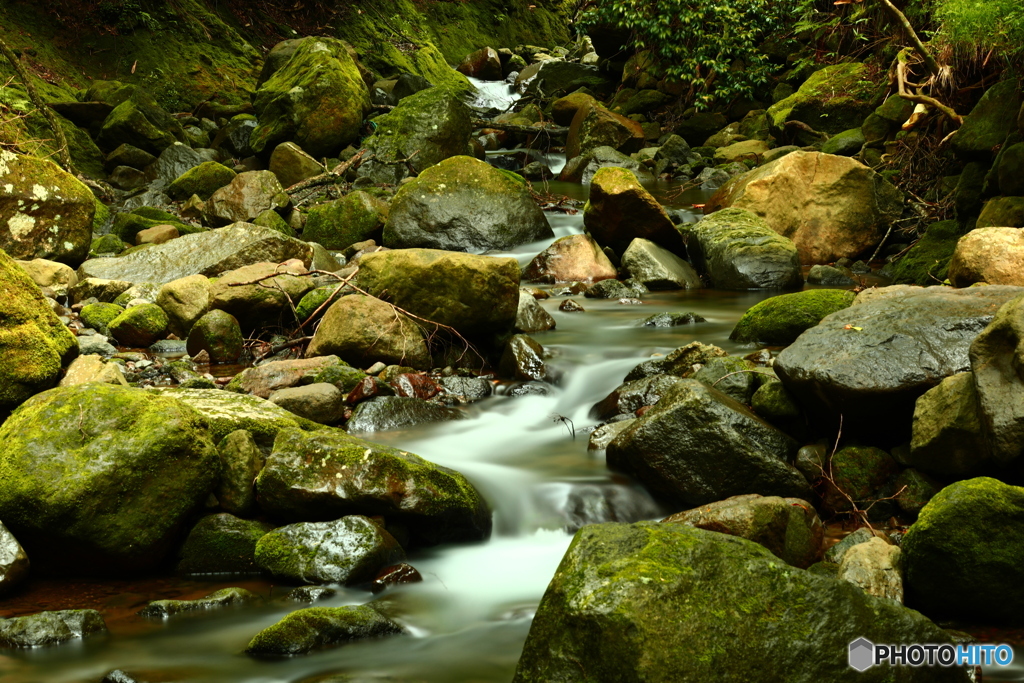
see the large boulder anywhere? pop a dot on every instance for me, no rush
(464, 204)
(337, 225)
(994, 256)
(620, 210)
(988, 124)
(574, 258)
(555, 77)
(136, 119)
(778, 321)
(476, 295)
(830, 206)
(870, 362)
(424, 129)
(45, 212)
(260, 294)
(317, 100)
(594, 126)
(206, 253)
(329, 474)
(34, 343)
(244, 198)
(737, 249)
(963, 554)
(663, 602)
(101, 478)
(834, 99)
(697, 445)
(947, 439)
(384, 413)
(364, 330)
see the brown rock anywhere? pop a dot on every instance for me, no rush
(830, 206)
(570, 306)
(363, 329)
(85, 369)
(158, 234)
(395, 574)
(484, 64)
(412, 385)
(263, 380)
(991, 255)
(570, 259)
(564, 108)
(594, 126)
(262, 302)
(292, 165)
(620, 210)
(246, 197)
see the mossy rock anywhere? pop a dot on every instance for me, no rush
(336, 225)
(778, 321)
(774, 403)
(963, 554)
(107, 244)
(735, 377)
(315, 628)
(217, 333)
(99, 316)
(50, 628)
(1002, 212)
(225, 597)
(100, 478)
(202, 180)
(128, 225)
(272, 219)
(222, 544)
(927, 262)
(988, 124)
(342, 376)
(834, 99)
(847, 144)
(139, 121)
(314, 299)
(34, 343)
(139, 326)
(858, 473)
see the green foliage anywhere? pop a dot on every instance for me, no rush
(713, 46)
(976, 27)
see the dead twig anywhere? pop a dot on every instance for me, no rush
(329, 178)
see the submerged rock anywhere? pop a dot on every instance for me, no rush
(50, 628)
(316, 628)
(223, 598)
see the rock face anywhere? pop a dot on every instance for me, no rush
(697, 446)
(205, 253)
(100, 478)
(657, 268)
(246, 197)
(830, 206)
(738, 250)
(45, 212)
(316, 628)
(788, 527)
(626, 595)
(350, 550)
(222, 544)
(356, 217)
(962, 555)
(570, 259)
(365, 330)
(34, 343)
(874, 374)
(594, 126)
(50, 628)
(14, 563)
(330, 474)
(464, 204)
(477, 295)
(994, 256)
(778, 321)
(620, 210)
(875, 567)
(316, 100)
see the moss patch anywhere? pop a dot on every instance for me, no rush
(778, 321)
(927, 262)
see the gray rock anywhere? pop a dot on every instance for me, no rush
(174, 161)
(385, 413)
(996, 359)
(218, 599)
(875, 567)
(523, 359)
(14, 564)
(657, 268)
(349, 550)
(531, 316)
(582, 168)
(95, 344)
(241, 460)
(597, 504)
(50, 628)
(614, 289)
(603, 435)
(829, 276)
(671, 319)
(316, 628)
(467, 389)
(633, 395)
(323, 403)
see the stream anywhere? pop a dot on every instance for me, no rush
(469, 617)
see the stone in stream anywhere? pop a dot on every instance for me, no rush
(613, 289)
(365, 329)
(311, 594)
(206, 253)
(466, 389)
(14, 563)
(671, 319)
(483, 64)
(595, 126)
(830, 276)
(224, 597)
(350, 550)
(385, 413)
(564, 108)
(139, 326)
(320, 402)
(570, 259)
(464, 204)
(788, 527)
(99, 479)
(697, 445)
(657, 268)
(222, 544)
(779, 320)
(875, 567)
(531, 316)
(316, 628)
(58, 277)
(241, 460)
(394, 575)
(523, 359)
(50, 628)
(330, 474)
(737, 249)
(45, 212)
(92, 368)
(735, 377)
(633, 395)
(339, 224)
(870, 362)
(947, 438)
(962, 555)
(626, 595)
(583, 168)
(621, 210)
(264, 379)
(843, 211)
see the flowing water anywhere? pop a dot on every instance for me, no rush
(469, 618)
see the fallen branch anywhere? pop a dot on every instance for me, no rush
(278, 348)
(329, 178)
(521, 130)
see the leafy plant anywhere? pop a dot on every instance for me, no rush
(981, 28)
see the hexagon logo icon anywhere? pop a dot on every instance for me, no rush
(862, 654)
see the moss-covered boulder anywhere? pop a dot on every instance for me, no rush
(858, 473)
(336, 225)
(350, 550)
(202, 180)
(139, 326)
(222, 544)
(778, 321)
(962, 555)
(927, 262)
(620, 210)
(988, 124)
(219, 334)
(316, 100)
(736, 377)
(846, 144)
(34, 344)
(241, 460)
(464, 204)
(625, 596)
(365, 330)
(737, 249)
(594, 126)
(99, 316)
(433, 124)
(140, 121)
(100, 478)
(50, 628)
(225, 597)
(314, 299)
(316, 628)
(834, 99)
(45, 212)
(1002, 212)
(257, 302)
(330, 474)
(564, 108)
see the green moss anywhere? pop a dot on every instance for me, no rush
(833, 99)
(272, 219)
(858, 472)
(774, 403)
(203, 180)
(315, 299)
(139, 326)
(927, 262)
(779, 320)
(319, 627)
(336, 225)
(99, 316)
(128, 225)
(342, 376)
